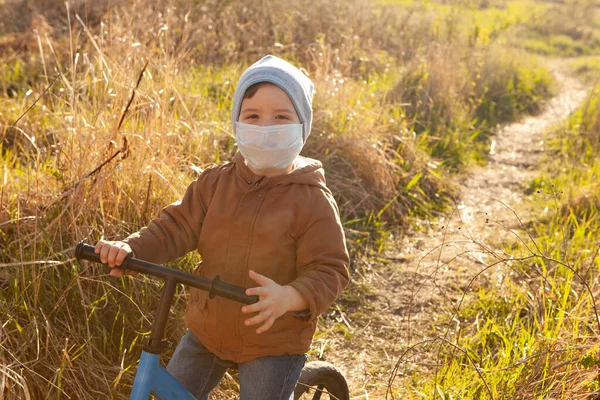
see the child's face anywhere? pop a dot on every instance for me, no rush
(270, 105)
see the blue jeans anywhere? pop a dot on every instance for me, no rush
(265, 378)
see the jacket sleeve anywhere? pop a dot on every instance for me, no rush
(322, 258)
(176, 230)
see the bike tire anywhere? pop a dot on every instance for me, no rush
(322, 377)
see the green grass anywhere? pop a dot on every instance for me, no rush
(487, 20)
(406, 97)
(588, 68)
(533, 334)
(566, 29)
(559, 45)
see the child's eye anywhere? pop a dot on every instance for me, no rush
(281, 116)
(251, 116)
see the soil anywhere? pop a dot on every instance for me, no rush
(408, 295)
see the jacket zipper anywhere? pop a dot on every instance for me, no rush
(245, 271)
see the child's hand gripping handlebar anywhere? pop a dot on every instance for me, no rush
(214, 286)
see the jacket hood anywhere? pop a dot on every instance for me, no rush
(307, 171)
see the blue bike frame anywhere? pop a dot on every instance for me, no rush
(152, 378)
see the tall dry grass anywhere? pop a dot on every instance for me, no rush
(398, 106)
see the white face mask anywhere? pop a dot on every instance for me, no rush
(269, 147)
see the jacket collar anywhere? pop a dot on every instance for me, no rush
(242, 169)
(309, 172)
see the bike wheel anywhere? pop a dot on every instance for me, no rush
(323, 381)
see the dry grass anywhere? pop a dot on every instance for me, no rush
(67, 330)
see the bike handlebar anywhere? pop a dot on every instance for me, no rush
(214, 287)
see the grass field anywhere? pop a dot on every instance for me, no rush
(408, 95)
(534, 334)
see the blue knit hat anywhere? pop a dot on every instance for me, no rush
(273, 69)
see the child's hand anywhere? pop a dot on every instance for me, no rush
(273, 303)
(113, 254)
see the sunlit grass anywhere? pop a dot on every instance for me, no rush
(588, 68)
(486, 19)
(533, 335)
(569, 28)
(405, 99)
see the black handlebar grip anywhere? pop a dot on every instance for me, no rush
(86, 252)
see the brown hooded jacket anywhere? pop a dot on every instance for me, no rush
(286, 228)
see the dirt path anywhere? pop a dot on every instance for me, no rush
(423, 275)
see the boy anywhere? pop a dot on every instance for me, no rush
(266, 217)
